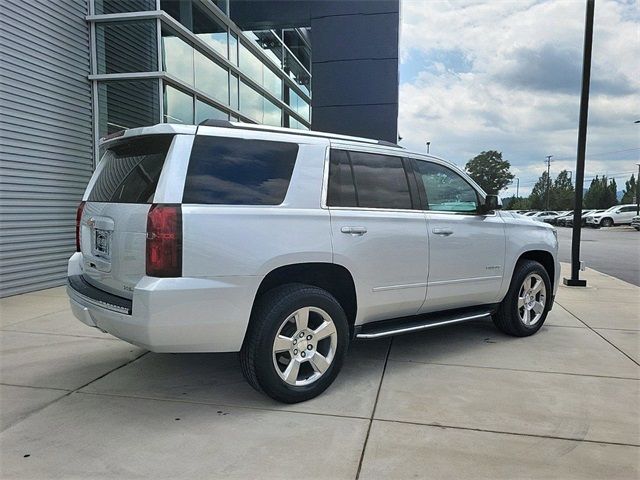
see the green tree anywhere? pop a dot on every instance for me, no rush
(518, 203)
(490, 171)
(629, 192)
(601, 193)
(538, 197)
(562, 192)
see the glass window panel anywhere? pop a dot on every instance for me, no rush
(341, 191)
(251, 103)
(272, 114)
(233, 48)
(272, 83)
(177, 57)
(178, 106)
(120, 6)
(127, 104)
(211, 78)
(204, 111)
(298, 104)
(380, 180)
(233, 91)
(131, 170)
(124, 47)
(234, 171)
(250, 65)
(446, 190)
(209, 30)
(180, 10)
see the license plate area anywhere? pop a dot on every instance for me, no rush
(101, 243)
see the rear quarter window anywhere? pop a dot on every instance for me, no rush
(131, 170)
(236, 171)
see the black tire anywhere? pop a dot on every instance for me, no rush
(606, 222)
(507, 318)
(269, 313)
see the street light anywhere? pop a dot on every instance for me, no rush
(428, 144)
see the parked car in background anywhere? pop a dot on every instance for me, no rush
(616, 215)
(585, 216)
(561, 221)
(285, 246)
(553, 219)
(635, 222)
(541, 216)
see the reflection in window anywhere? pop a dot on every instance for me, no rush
(446, 190)
(380, 180)
(127, 104)
(298, 104)
(251, 103)
(178, 106)
(342, 191)
(204, 111)
(233, 91)
(124, 47)
(209, 30)
(233, 48)
(211, 78)
(272, 114)
(177, 57)
(233, 171)
(122, 6)
(250, 65)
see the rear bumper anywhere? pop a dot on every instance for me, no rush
(172, 314)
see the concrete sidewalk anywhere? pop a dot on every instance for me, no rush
(460, 402)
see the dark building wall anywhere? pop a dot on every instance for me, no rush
(354, 59)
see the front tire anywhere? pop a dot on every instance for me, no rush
(525, 307)
(296, 343)
(606, 222)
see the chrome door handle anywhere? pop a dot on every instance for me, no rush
(354, 230)
(442, 231)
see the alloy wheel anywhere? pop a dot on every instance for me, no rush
(304, 346)
(532, 299)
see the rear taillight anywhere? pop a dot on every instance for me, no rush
(78, 220)
(164, 241)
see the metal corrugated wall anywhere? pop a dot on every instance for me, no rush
(46, 146)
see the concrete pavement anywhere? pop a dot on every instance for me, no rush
(460, 402)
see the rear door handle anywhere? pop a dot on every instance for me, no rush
(442, 231)
(354, 230)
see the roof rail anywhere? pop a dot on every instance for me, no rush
(291, 131)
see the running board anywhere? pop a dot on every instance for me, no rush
(388, 328)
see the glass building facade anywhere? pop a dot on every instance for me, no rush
(184, 61)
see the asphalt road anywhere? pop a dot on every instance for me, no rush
(614, 251)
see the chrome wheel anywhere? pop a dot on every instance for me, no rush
(305, 346)
(532, 299)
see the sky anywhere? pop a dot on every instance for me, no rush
(506, 75)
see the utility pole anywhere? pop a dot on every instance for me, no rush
(575, 280)
(548, 162)
(638, 192)
(428, 144)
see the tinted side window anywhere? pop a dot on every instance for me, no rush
(446, 190)
(342, 191)
(235, 171)
(131, 170)
(381, 181)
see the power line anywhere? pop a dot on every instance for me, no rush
(602, 153)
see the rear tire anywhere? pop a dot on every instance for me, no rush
(525, 307)
(606, 222)
(296, 343)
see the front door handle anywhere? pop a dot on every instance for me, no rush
(442, 231)
(354, 230)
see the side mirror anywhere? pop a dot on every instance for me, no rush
(491, 203)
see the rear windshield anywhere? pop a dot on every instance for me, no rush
(131, 170)
(236, 171)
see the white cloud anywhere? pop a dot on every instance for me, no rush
(513, 82)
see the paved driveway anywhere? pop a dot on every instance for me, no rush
(460, 402)
(614, 251)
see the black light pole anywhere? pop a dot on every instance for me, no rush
(575, 280)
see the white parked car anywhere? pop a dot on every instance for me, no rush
(287, 245)
(616, 215)
(542, 216)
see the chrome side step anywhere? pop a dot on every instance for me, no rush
(388, 328)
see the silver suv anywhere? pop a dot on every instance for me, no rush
(287, 245)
